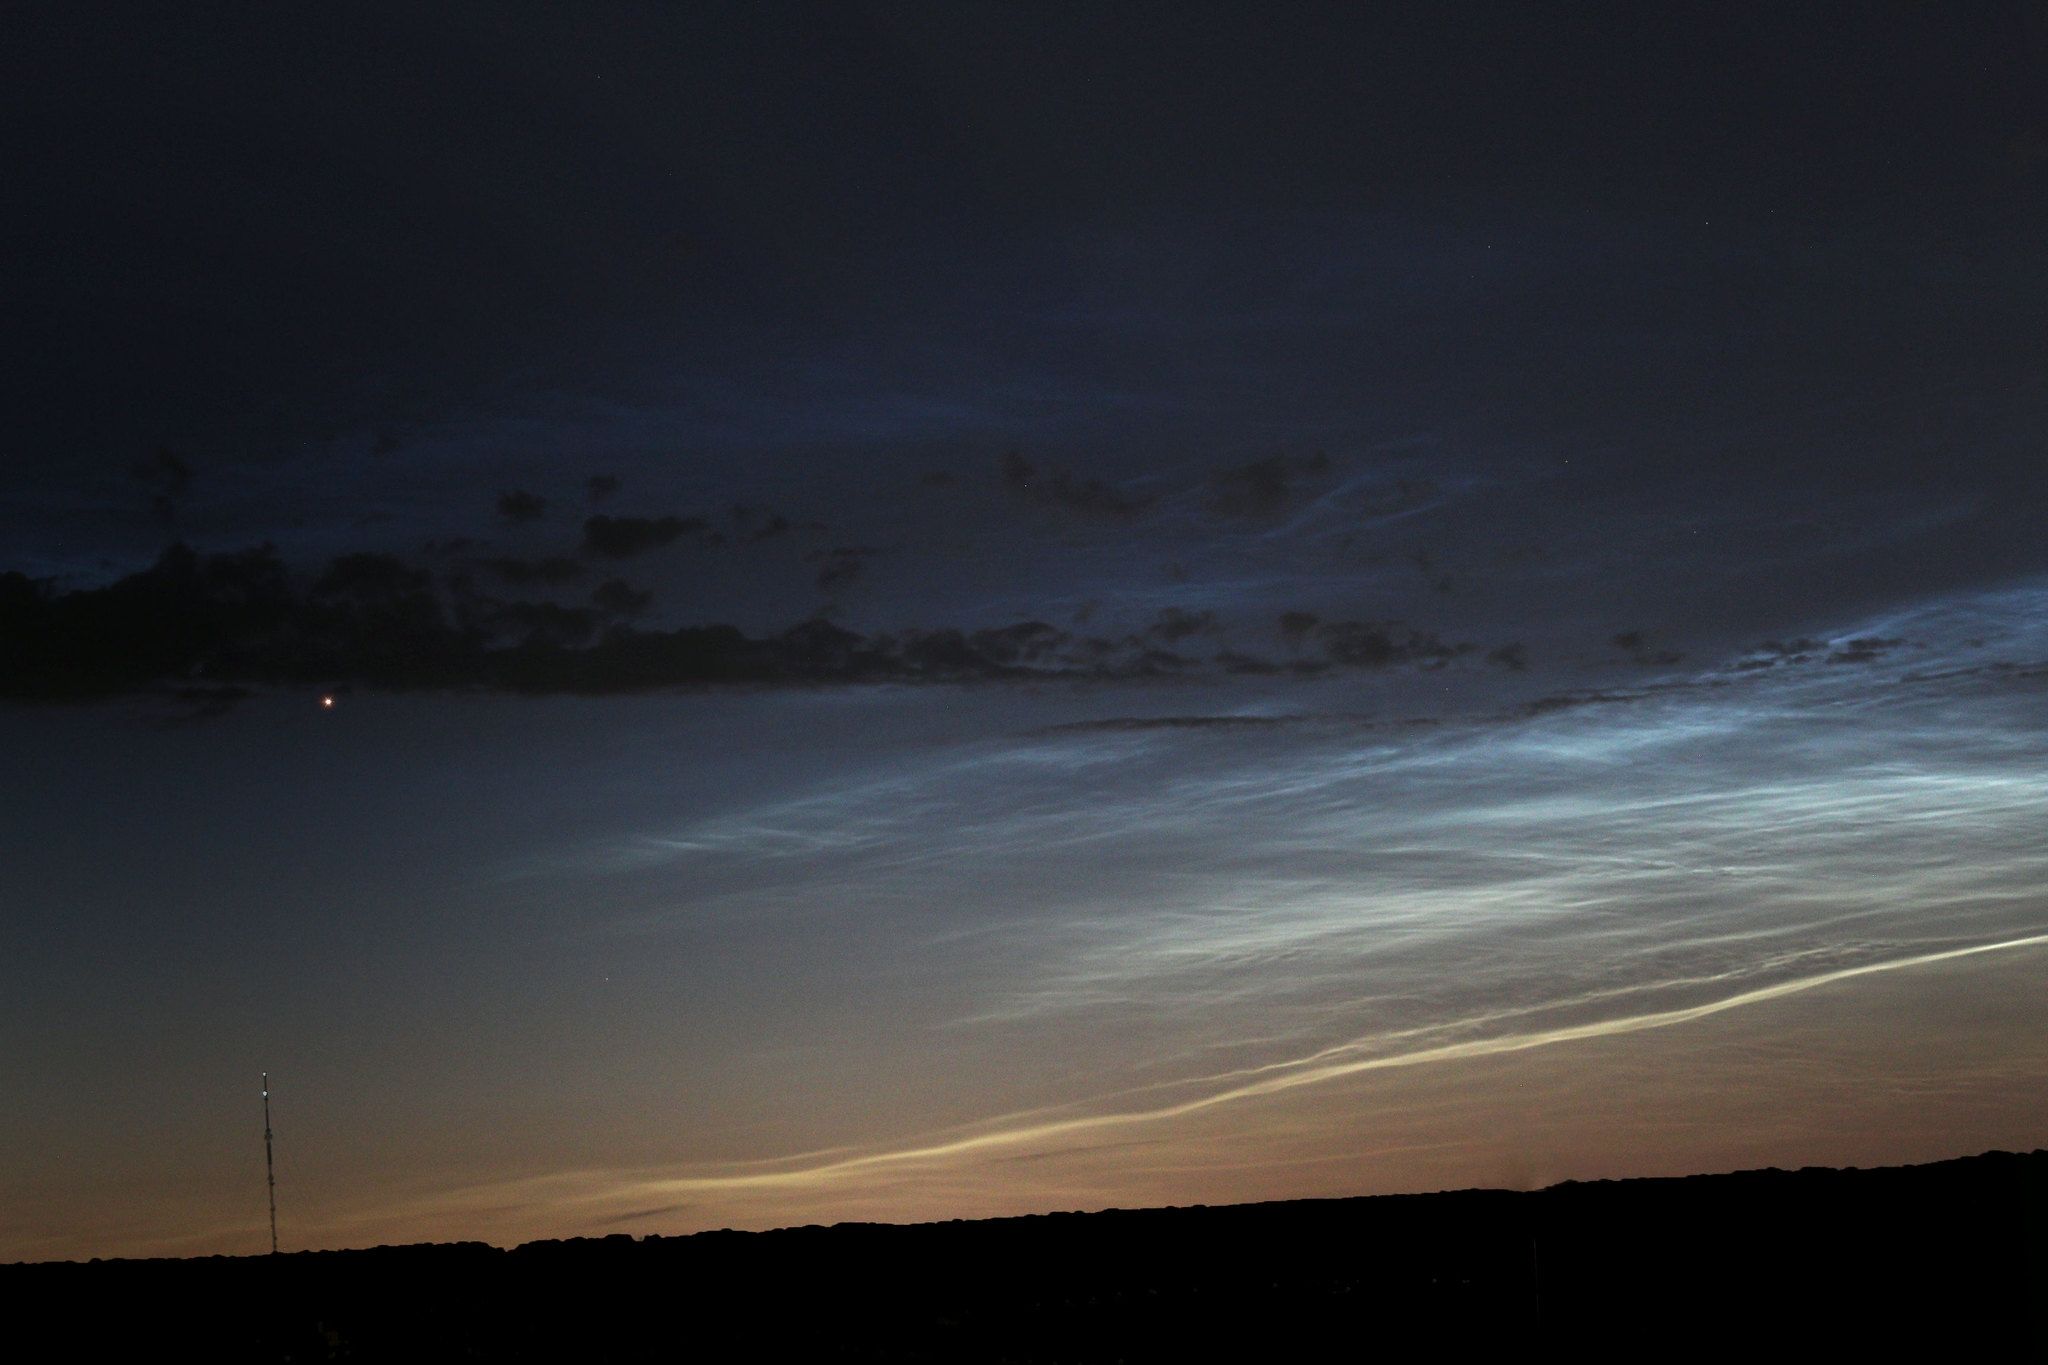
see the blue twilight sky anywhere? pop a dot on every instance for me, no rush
(690, 617)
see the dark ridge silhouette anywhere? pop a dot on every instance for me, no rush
(1951, 1256)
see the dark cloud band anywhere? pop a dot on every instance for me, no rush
(244, 619)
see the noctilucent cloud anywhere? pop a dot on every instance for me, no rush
(685, 619)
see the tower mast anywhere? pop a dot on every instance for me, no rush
(269, 1164)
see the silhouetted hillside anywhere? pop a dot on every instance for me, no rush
(1950, 1256)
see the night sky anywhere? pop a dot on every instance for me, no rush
(701, 616)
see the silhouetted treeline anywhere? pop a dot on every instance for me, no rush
(1949, 1257)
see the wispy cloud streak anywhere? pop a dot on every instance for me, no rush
(1225, 914)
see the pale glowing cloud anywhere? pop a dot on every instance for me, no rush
(1221, 917)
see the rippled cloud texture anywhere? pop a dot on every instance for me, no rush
(1053, 957)
(1266, 908)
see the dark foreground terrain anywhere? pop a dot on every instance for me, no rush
(1951, 1257)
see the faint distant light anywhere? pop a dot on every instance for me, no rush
(327, 703)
